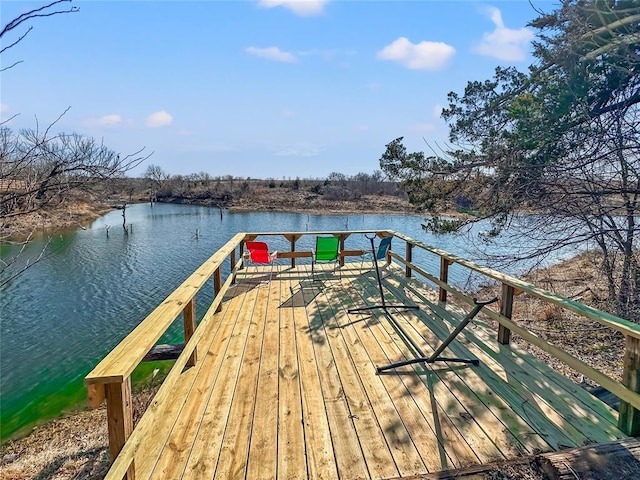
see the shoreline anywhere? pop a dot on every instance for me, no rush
(81, 213)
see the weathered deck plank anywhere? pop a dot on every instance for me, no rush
(401, 444)
(232, 462)
(453, 448)
(380, 462)
(196, 395)
(522, 390)
(207, 445)
(349, 454)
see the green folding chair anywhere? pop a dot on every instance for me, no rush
(326, 251)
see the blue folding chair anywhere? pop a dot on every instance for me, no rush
(380, 254)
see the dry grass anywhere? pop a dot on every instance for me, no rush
(72, 447)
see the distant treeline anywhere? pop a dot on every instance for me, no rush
(157, 185)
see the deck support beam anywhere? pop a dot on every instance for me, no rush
(119, 419)
(506, 310)
(629, 417)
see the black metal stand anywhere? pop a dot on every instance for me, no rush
(383, 304)
(435, 357)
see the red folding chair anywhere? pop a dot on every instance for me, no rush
(258, 253)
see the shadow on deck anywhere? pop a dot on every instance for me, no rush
(288, 389)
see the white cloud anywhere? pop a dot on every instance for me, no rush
(437, 111)
(287, 113)
(4, 109)
(272, 53)
(362, 128)
(109, 120)
(159, 119)
(302, 8)
(418, 56)
(374, 86)
(504, 43)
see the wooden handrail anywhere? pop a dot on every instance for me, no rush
(111, 378)
(624, 326)
(128, 354)
(613, 386)
(145, 427)
(381, 233)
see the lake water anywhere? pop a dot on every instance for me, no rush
(60, 317)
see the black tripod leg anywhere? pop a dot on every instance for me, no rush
(435, 357)
(383, 303)
(391, 366)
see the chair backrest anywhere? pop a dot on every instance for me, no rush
(258, 252)
(327, 248)
(385, 243)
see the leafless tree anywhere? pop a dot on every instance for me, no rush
(56, 7)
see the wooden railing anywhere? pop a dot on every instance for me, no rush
(293, 238)
(628, 390)
(111, 378)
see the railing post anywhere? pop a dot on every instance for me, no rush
(409, 258)
(506, 310)
(292, 241)
(241, 250)
(119, 419)
(232, 261)
(341, 261)
(189, 317)
(444, 277)
(217, 286)
(629, 417)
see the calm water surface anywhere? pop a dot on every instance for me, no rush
(65, 313)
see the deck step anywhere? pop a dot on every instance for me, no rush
(613, 460)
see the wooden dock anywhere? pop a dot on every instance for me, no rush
(284, 385)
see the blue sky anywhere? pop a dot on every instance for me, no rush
(261, 89)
